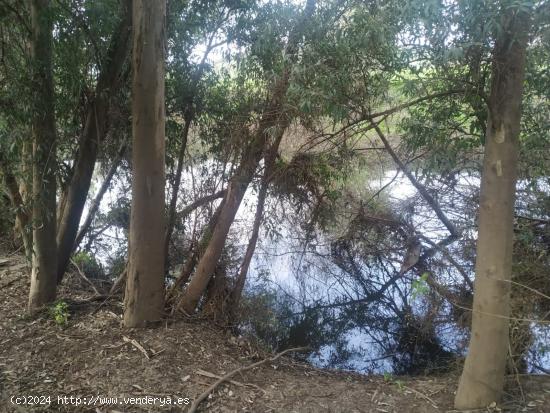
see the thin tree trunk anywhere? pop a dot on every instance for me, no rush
(482, 379)
(144, 298)
(197, 253)
(97, 200)
(74, 198)
(44, 259)
(273, 120)
(236, 293)
(198, 203)
(419, 187)
(21, 213)
(189, 115)
(175, 188)
(237, 187)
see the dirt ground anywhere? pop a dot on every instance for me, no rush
(109, 369)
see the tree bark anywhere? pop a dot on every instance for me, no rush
(482, 379)
(44, 259)
(97, 200)
(74, 198)
(273, 121)
(144, 298)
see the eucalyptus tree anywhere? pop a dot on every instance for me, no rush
(144, 298)
(479, 48)
(482, 379)
(192, 26)
(44, 257)
(88, 55)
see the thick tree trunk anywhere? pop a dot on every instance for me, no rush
(74, 198)
(144, 298)
(274, 121)
(483, 375)
(44, 259)
(97, 200)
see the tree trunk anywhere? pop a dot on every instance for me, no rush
(236, 189)
(21, 213)
(97, 200)
(44, 259)
(175, 188)
(144, 298)
(482, 379)
(189, 115)
(197, 253)
(74, 198)
(274, 121)
(236, 293)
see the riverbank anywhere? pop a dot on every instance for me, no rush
(90, 357)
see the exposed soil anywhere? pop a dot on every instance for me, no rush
(92, 355)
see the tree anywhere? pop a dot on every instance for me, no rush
(482, 379)
(44, 259)
(93, 133)
(273, 122)
(235, 295)
(144, 299)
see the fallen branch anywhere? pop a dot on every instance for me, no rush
(225, 378)
(137, 345)
(422, 395)
(85, 278)
(205, 373)
(9, 283)
(118, 283)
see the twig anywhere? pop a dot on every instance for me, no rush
(113, 290)
(9, 283)
(137, 345)
(236, 383)
(85, 278)
(540, 368)
(213, 387)
(119, 281)
(421, 395)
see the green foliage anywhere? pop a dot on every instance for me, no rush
(419, 286)
(59, 312)
(89, 264)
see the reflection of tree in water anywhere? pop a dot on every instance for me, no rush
(417, 349)
(403, 323)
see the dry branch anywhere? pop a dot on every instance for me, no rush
(85, 278)
(137, 345)
(225, 378)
